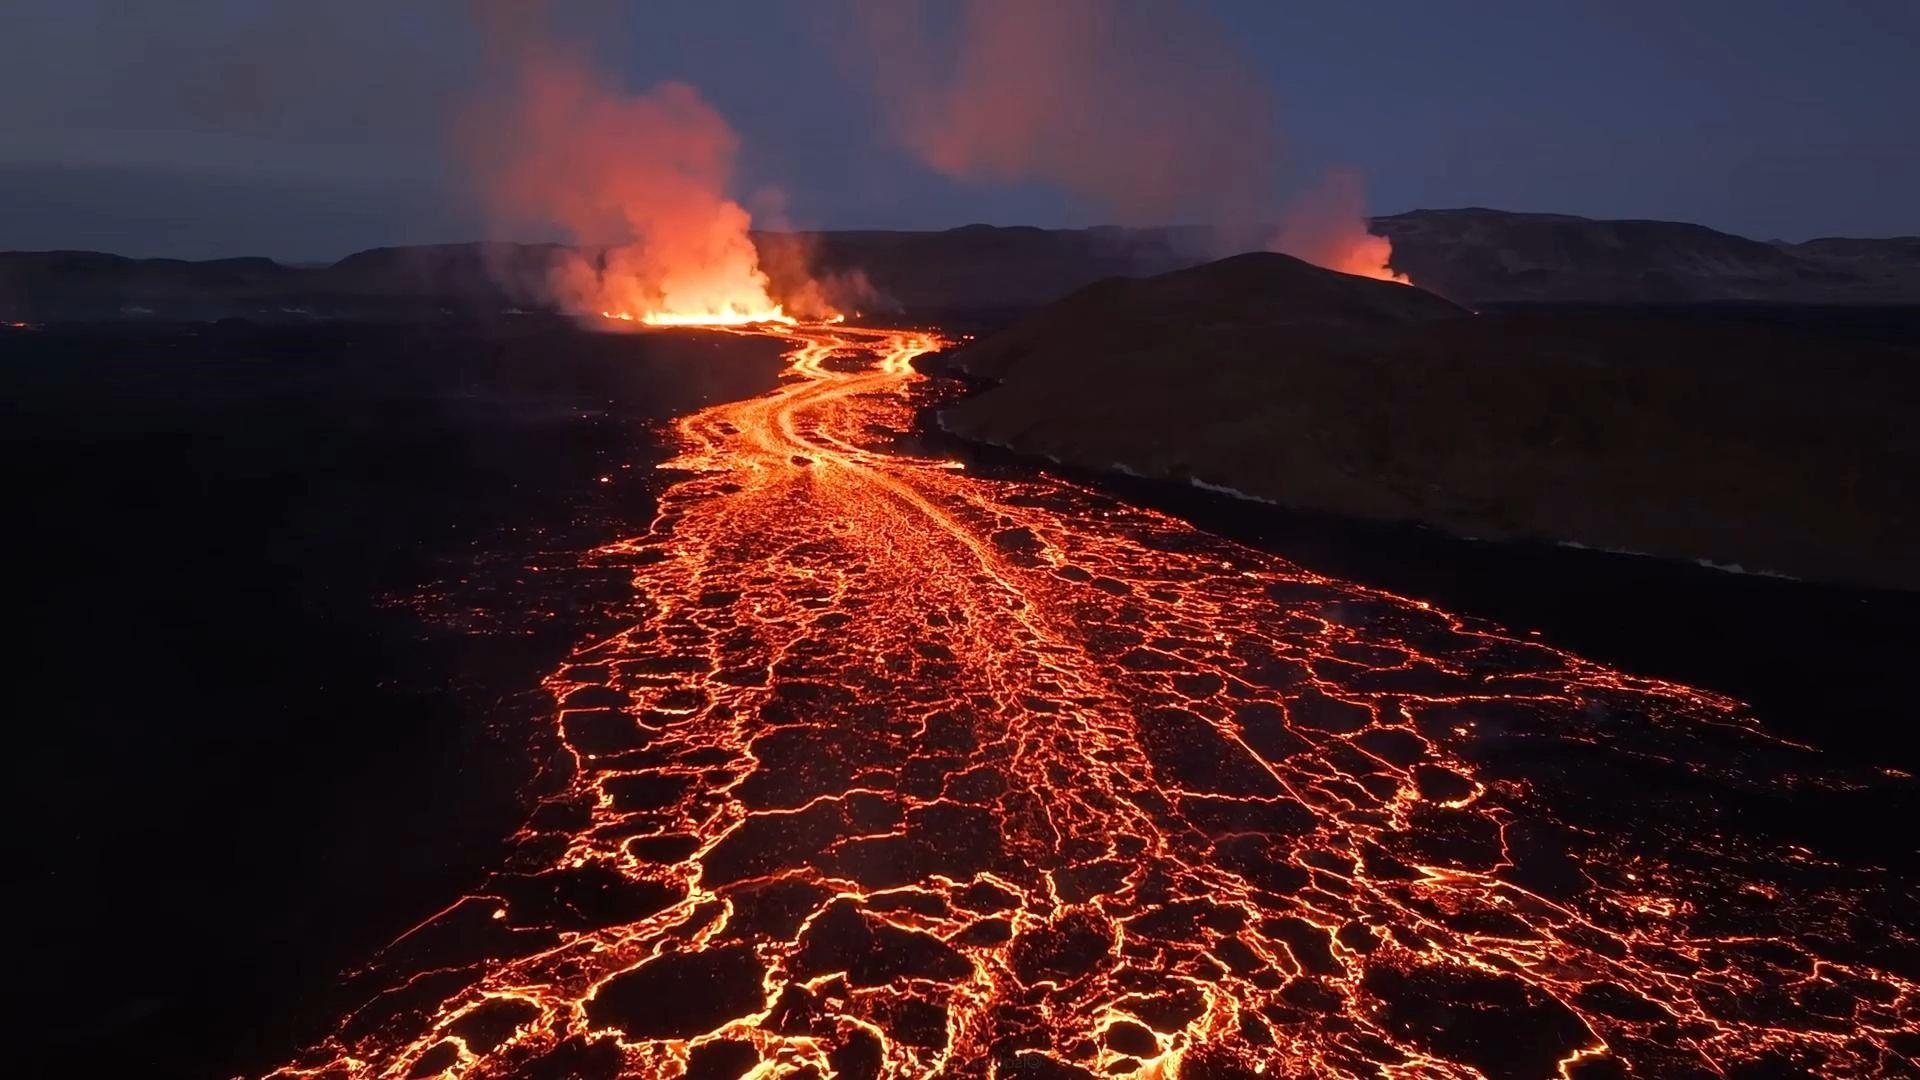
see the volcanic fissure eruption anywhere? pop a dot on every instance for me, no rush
(639, 183)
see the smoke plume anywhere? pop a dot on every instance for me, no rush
(639, 180)
(1143, 109)
(640, 183)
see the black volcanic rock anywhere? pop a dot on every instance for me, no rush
(680, 995)
(1480, 256)
(1779, 443)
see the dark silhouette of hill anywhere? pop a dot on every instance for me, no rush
(1737, 436)
(1242, 296)
(55, 284)
(462, 274)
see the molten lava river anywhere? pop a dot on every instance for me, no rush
(901, 771)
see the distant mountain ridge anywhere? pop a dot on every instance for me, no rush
(1470, 256)
(1480, 256)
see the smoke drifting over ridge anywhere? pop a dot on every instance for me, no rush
(1145, 110)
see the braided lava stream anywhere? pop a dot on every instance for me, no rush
(901, 771)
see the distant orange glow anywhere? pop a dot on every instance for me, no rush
(1327, 225)
(1365, 256)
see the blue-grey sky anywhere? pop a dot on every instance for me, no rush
(304, 131)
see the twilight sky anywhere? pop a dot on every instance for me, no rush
(201, 128)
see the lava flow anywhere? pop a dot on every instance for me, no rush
(903, 771)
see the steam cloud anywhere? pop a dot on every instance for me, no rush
(1144, 109)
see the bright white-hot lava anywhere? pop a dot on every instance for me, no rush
(727, 315)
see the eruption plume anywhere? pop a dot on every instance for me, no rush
(1327, 226)
(640, 181)
(1144, 110)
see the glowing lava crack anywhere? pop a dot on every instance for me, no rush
(901, 771)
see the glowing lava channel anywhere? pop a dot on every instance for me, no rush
(903, 771)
